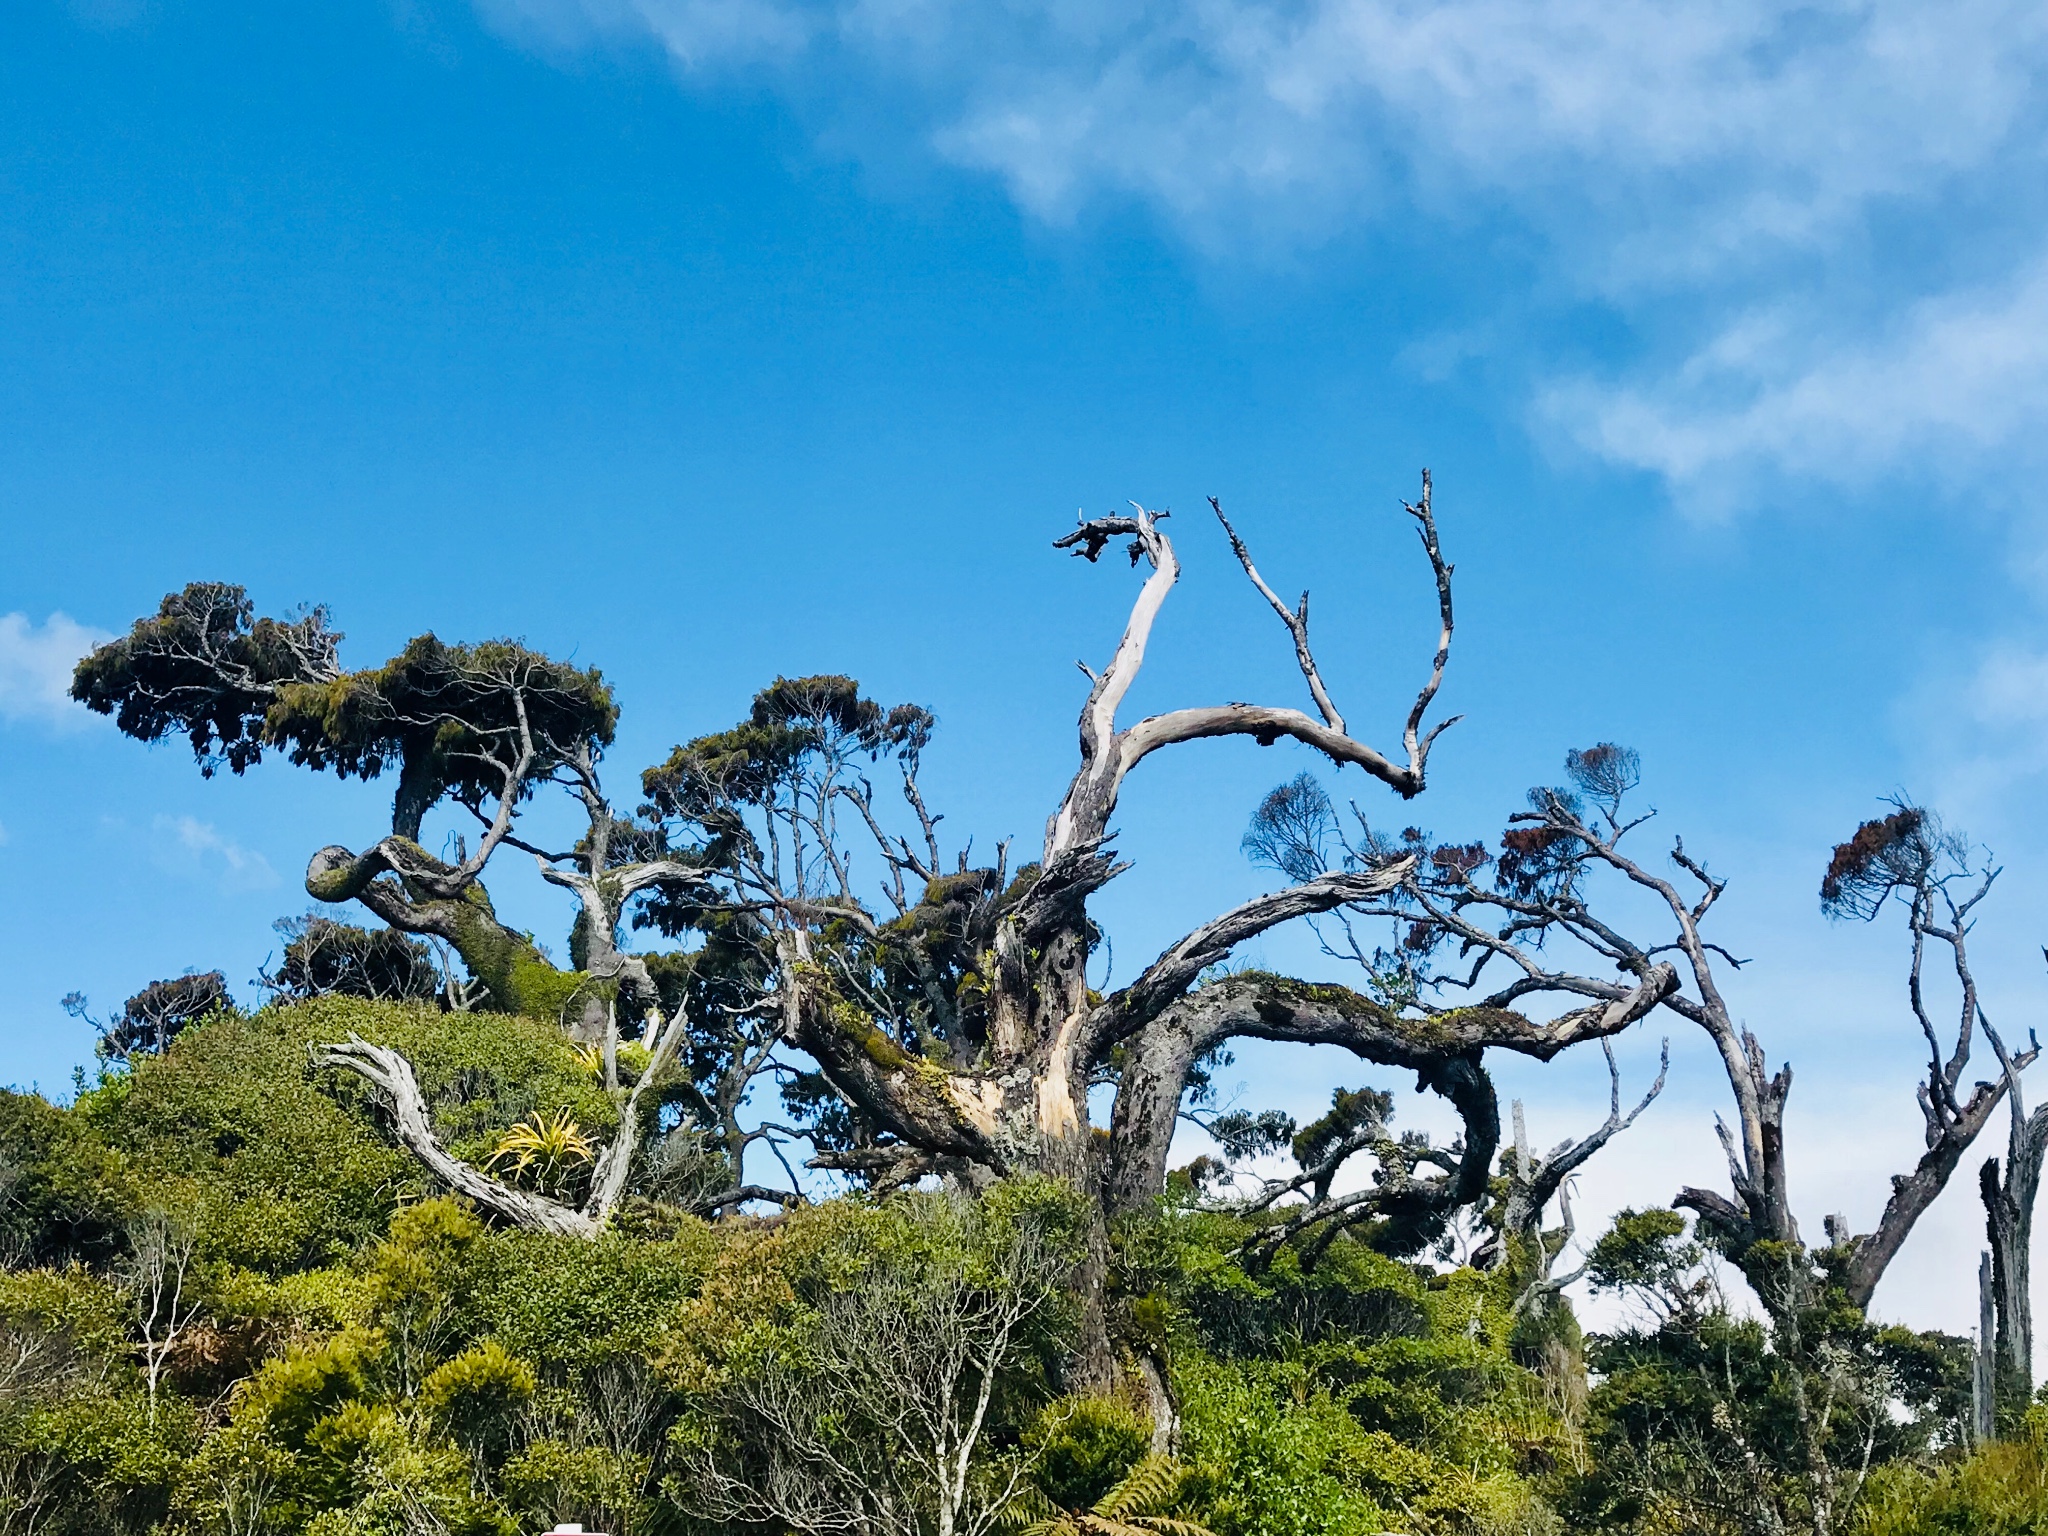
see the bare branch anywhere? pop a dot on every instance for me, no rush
(1173, 972)
(1296, 621)
(1418, 748)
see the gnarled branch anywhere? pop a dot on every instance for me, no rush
(391, 1075)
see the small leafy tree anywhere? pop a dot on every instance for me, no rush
(870, 1412)
(325, 958)
(150, 1020)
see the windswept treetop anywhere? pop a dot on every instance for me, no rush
(466, 721)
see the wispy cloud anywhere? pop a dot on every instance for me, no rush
(35, 667)
(1975, 730)
(187, 845)
(1946, 382)
(698, 33)
(1684, 165)
(1192, 104)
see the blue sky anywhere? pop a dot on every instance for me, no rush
(710, 339)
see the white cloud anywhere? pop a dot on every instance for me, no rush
(35, 667)
(1715, 123)
(1680, 163)
(1193, 104)
(187, 845)
(1949, 380)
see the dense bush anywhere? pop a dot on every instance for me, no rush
(352, 1354)
(2002, 1490)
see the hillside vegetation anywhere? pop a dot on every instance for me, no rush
(231, 1305)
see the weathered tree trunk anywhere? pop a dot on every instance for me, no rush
(391, 1075)
(2009, 1224)
(1984, 1367)
(1024, 1107)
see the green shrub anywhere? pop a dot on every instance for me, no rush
(2002, 1490)
(1082, 1447)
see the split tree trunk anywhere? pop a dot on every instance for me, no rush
(2009, 1224)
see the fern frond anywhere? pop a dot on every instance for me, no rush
(1031, 1513)
(1146, 1486)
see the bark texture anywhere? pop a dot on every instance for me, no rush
(391, 1075)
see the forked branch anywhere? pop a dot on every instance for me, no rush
(1108, 754)
(391, 1075)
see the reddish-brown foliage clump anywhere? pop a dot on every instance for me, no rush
(1855, 862)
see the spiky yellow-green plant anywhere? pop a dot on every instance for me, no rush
(548, 1147)
(1131, 1508)
(632, 1057)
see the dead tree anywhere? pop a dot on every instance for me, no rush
(161, 1281)
(961, 1035)
(1533, 1182)
(2009, 1226)
(1906, 857)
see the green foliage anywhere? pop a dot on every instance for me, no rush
(67, 1192)
(288, 1163)
(1361, 1394)
(595, 1486)
(1706, 1420)
(449, 717)
(445, 714)
(837, 1370)
(1137, 1504)
(203, 666)
(324, 958)
(474, 1398)
(1082, 1448)
(1645, 1252)
(580, 1305)
(370, 1358)
(2001, 1490)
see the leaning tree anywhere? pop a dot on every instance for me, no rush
(1907, 860)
